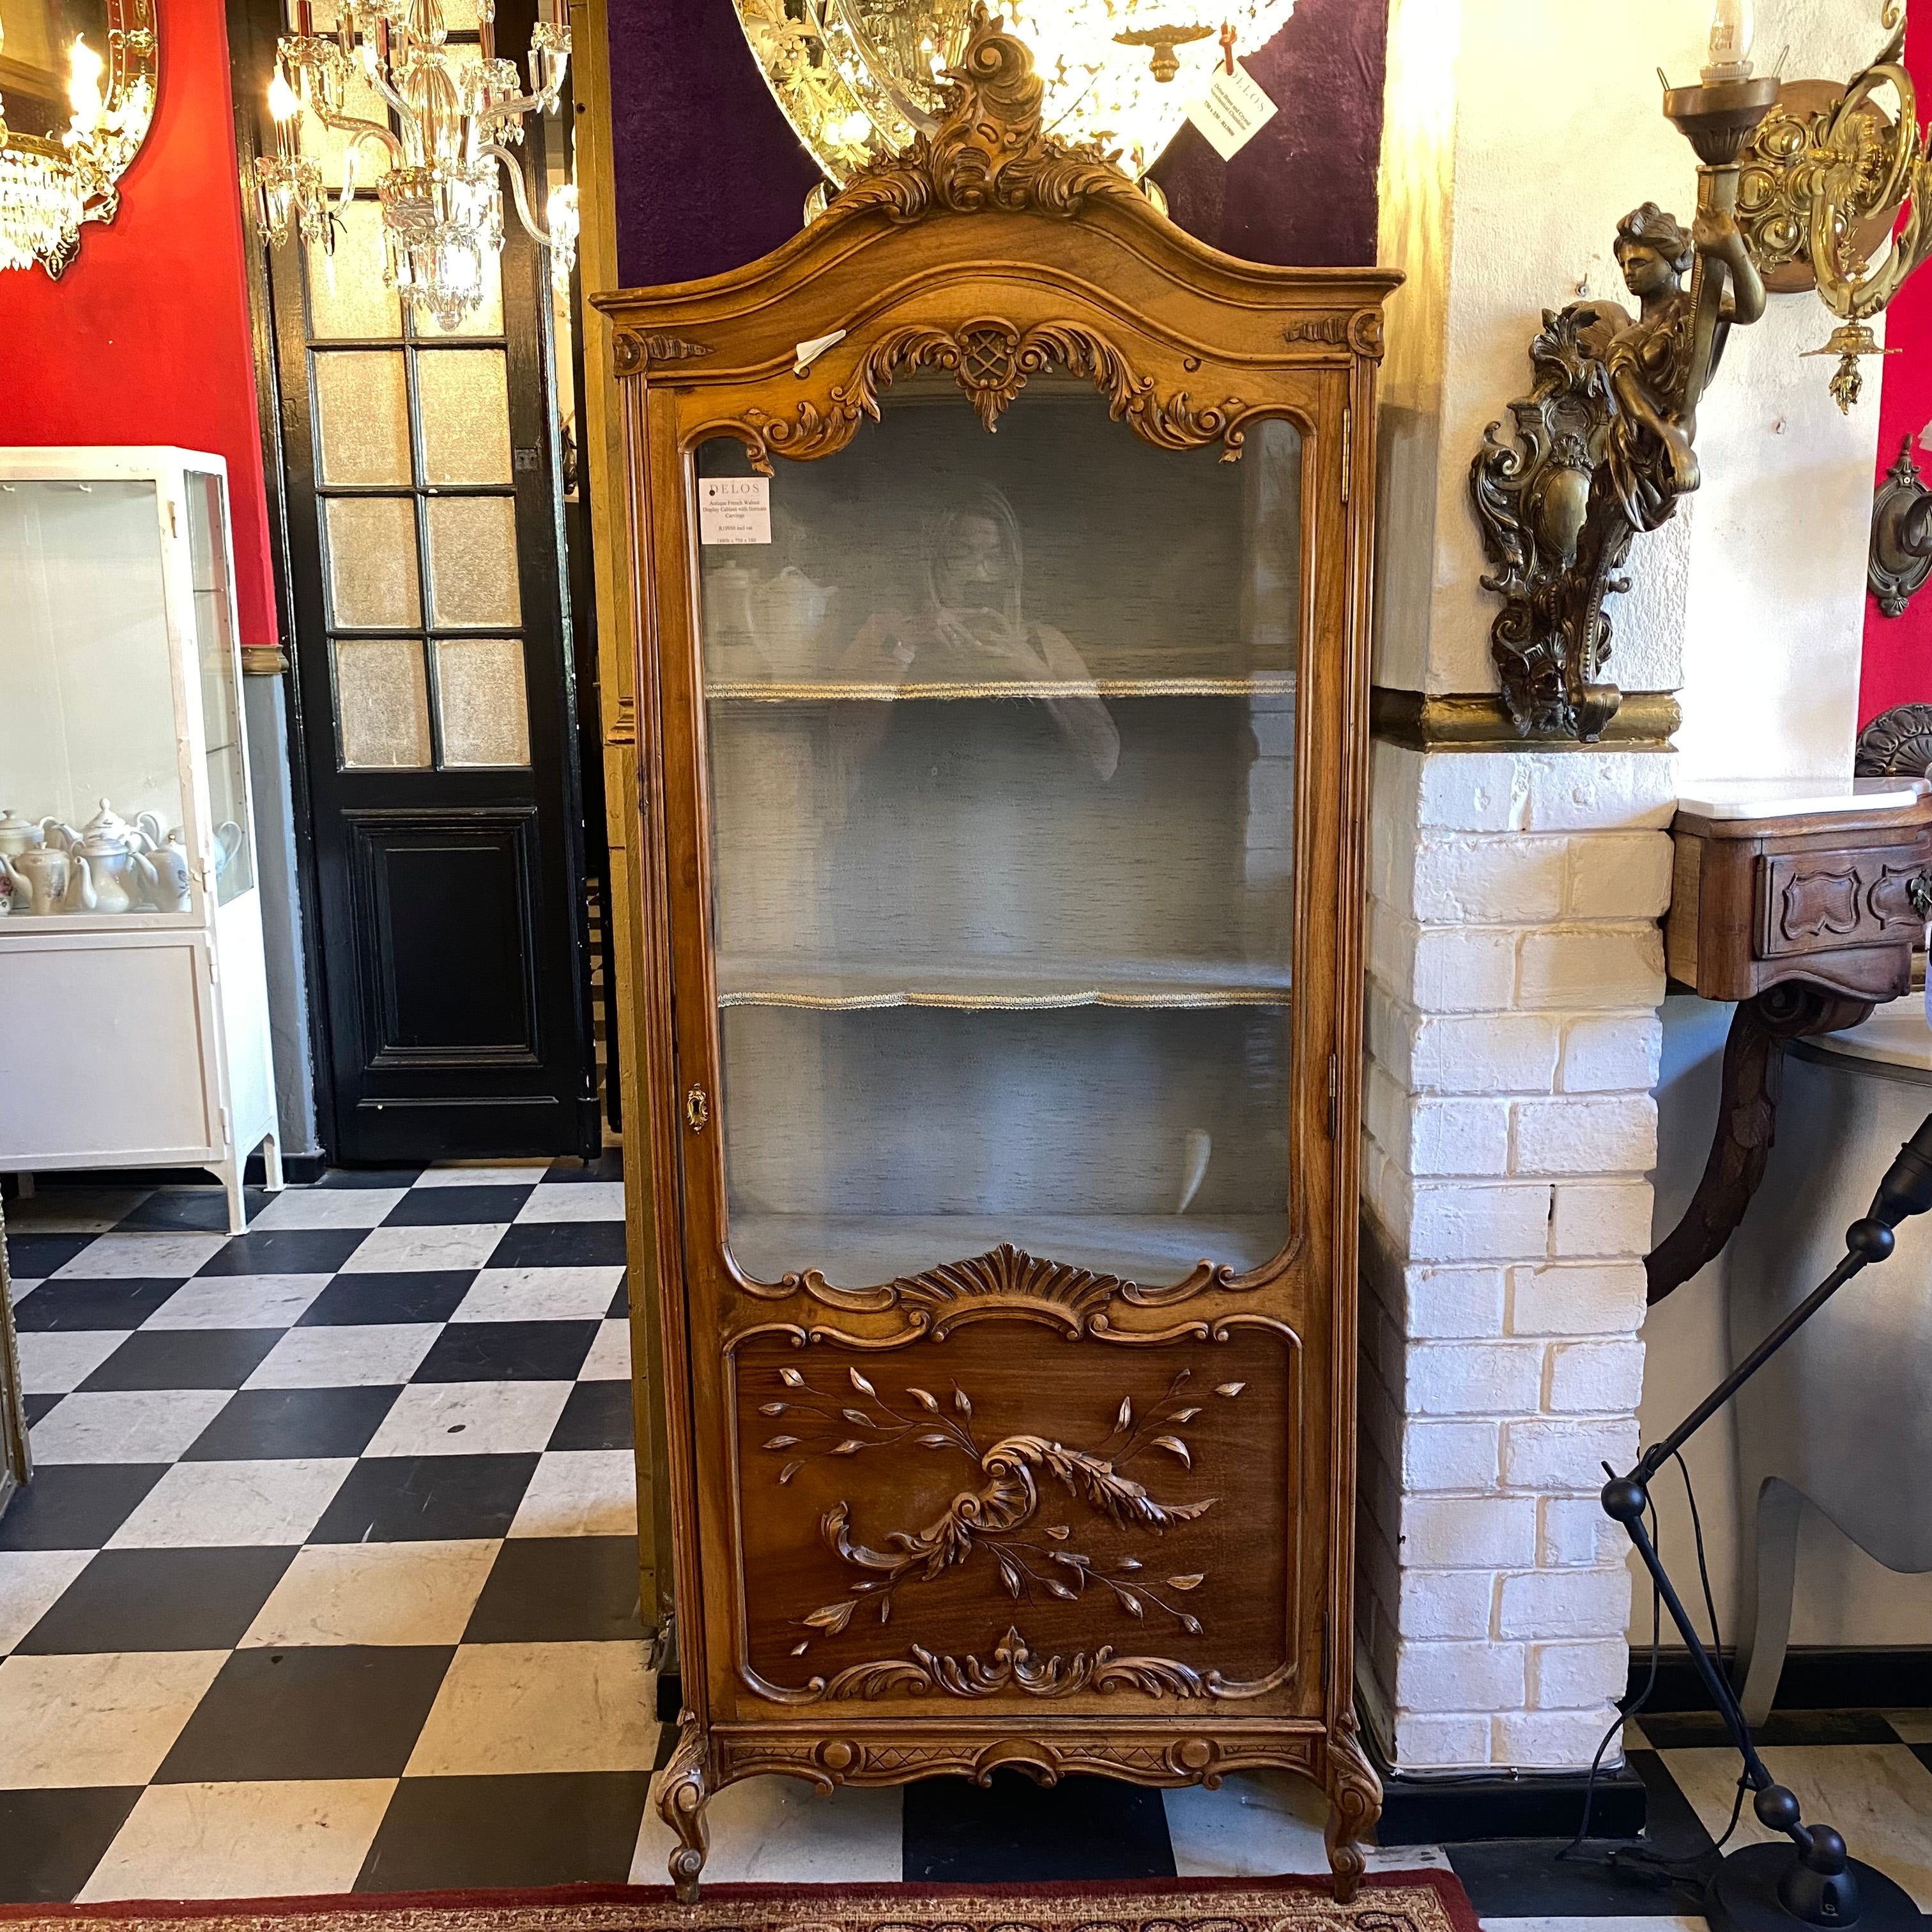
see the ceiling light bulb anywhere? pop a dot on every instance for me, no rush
(282, 104)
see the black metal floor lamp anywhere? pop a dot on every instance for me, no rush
(1814, 1880)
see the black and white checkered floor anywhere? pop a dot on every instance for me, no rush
(327, 1580)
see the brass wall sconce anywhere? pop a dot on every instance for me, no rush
(1807, 186)
(1901, 540)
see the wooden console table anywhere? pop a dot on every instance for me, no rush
(1807, 919)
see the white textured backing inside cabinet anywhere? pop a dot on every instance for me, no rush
(101, 1054)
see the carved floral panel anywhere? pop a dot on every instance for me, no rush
(1006, 1514)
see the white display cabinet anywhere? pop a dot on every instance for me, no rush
(132, 980)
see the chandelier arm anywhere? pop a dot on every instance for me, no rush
(519, 105)
(355, 125)
(918, 118)
(520, 193)
(1908, 184)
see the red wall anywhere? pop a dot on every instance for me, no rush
(146, 338)
(1898, 650)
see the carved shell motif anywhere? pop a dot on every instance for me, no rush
(989, 150)
(1897, 744)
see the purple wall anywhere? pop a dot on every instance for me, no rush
(710, 174)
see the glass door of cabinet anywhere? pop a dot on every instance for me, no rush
(1001, 737)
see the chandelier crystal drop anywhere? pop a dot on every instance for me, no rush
(456, 122)
(859, 78)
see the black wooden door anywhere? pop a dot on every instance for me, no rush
(436, 694)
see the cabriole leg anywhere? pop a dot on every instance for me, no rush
(1355, 1805)
(681, 1803)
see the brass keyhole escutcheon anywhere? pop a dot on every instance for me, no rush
(698, 1109)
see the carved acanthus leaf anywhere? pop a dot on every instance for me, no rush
(990, 150)
(992, 359)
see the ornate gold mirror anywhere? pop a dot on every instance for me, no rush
(77, 96)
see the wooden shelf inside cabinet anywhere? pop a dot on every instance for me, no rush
(993, 740)
(999, 986)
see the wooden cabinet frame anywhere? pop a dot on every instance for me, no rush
(990, 253)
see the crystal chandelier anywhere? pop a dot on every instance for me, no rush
(49, 188)
(441, 196)
(859, 78)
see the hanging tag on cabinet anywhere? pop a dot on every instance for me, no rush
(1233, 111)
(734, 510)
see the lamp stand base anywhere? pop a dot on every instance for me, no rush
(1743, 1895)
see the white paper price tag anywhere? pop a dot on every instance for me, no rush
(1233, 111)
(734, 510)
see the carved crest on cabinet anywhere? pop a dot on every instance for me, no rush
(990, 149)
(992, 359)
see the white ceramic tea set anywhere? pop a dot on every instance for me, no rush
(111, 865)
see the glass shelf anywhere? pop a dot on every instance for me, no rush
(998, 985)
(722, 690)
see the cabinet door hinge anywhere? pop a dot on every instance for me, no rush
(1348, 452)
(1334, 1099)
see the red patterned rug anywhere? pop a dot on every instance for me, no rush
(1411, 1901)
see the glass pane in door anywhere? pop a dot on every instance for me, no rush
(1002, 743)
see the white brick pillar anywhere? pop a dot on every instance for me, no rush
(1515, 969)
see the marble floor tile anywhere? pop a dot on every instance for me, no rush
(243, 1840)
(510, 1708)
(101, 1717)
(469, 1419)
(216, 1505)
(73, 1210)
(133, 1426)
(399, 1250)
(373, 1593)
(484, 1174)
(609, 1359)
(153, 1256)
(778, 1831)
(238, 1301)
(377, 1356)
(58, 1361)
(30, 1581)
(581, 1201)
(1608, 1924)
(581, 1492)
(329, 1207)
(540, 1293)
(1879, 1795)
(1258, 1823)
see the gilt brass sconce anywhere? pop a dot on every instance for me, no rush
(1804, 186)
(1901, 540)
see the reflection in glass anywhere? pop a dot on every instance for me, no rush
(382, 703)
(1002, 745)
(347, 298)
(228, 829)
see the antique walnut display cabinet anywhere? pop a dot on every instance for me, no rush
(1002, 559)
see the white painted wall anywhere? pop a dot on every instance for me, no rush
(1517, 136)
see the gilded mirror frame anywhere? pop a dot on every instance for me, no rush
(90, 166)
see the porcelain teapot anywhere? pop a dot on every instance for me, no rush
(39, 879)
(18, 835)
(162, 877)
(105, 852)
